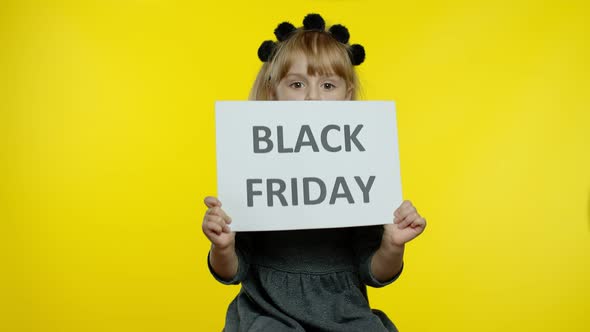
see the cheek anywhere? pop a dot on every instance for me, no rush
(278, 93)
(341, 94)
(345, 95)
(281, 91)
(285, 93)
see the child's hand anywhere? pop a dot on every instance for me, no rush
(215, 224)
(407, 224)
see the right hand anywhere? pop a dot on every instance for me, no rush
(215, 224)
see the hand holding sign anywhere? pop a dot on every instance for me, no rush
(407, 225)
(215, 224)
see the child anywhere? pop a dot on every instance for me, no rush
(308, 280)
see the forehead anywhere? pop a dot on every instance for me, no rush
(301, 64)
(298, 64)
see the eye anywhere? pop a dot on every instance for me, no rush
(328, 86)
(296, 85)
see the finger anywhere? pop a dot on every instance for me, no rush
(406, 210)
(217, 220)
(419, 223)
(214, 211)
(408, 220)
(212, 201)
(224, 215)
(221, 229)
(221, 222)
(213, 227)
(398, 211)
(217, 211)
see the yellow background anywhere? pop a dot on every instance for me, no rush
(107, 149)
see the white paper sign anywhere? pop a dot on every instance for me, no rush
(285, 165)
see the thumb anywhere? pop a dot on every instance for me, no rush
(212, 201)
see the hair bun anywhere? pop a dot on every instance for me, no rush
(265, 50)
(357, 54)
(314, 22)
(283, 30)
(340, 33)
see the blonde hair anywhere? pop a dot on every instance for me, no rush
(325, 55)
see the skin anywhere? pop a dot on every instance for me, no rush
(407, 222)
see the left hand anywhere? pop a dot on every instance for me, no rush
(407, 224)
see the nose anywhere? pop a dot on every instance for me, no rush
(313, 93)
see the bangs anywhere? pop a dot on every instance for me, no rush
(325, 56)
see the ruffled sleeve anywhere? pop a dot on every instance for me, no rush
(243, 250)
(366, 240)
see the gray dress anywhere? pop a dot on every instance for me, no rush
(306, 280)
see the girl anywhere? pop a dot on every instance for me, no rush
(308, 280)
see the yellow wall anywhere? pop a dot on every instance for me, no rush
(107, 148)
